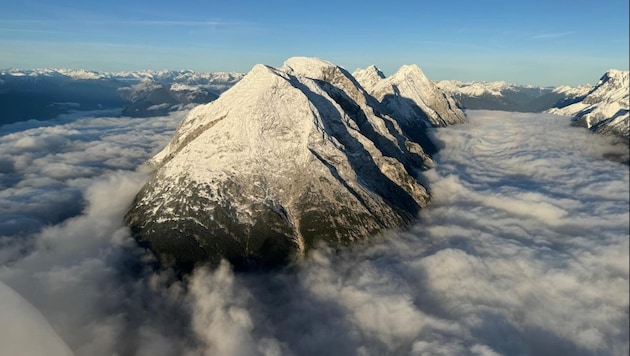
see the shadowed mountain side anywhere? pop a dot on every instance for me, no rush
(604, 108)
(414, 100)
(361, 161)
(414, 129)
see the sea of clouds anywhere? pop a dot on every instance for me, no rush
(523, 250)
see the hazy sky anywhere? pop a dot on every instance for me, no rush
(533, 42)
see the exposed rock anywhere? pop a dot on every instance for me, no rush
(605, 108)
(409, 95)
(286, 158)
(368, 77)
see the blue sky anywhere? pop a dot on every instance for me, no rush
(534, 42)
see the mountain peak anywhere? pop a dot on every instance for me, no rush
(411, 69)
(415, 100)
(616, 73)
(605, 108)
(310, 67)
(369, 76)
(412, 73)
(285, 158)
(613, 80)
(614, 77)
(374, 69)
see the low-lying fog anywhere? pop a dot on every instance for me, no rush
(524, 250)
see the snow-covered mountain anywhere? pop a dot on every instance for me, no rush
(78, 74)
(508, 97)
(368, 77)
(408, 95)
(45, 93)
(284, 159)
(152, 98)
(605, 107)
(222, 80)
(216, 82)
(478, 88)
(573, 92)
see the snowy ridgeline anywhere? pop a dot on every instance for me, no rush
(287, 158)
(43, 94)
(603, 107)
(508, 97)
(166, 76)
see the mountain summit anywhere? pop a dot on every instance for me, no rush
(413, 99)
(605, 108)
(369, 76)
(284, 159)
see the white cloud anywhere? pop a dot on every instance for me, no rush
(72, 190)
(552, 35)
(524, 250)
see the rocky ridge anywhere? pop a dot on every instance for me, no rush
(409, 95)
(604, 108)
(285, 159)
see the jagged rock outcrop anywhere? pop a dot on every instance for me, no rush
(605, 108)
(416, 101)
(286, 158)
(368, 77)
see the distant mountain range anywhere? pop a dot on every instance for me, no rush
(509, 97)
(603, 108)
(42, 94)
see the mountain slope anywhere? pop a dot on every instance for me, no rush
(415, 100)
(368, 77)
(286, 158)
(605, 108)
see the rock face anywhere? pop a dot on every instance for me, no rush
(409, 95)
(369, 76)
(286, 158)
(605, 108)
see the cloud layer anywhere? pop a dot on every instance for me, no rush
(65, 187)
(524, 250)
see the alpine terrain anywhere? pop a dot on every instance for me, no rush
(284, 159)
(43, 94)
(510, 97)
(412, 98)
(605, 107)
